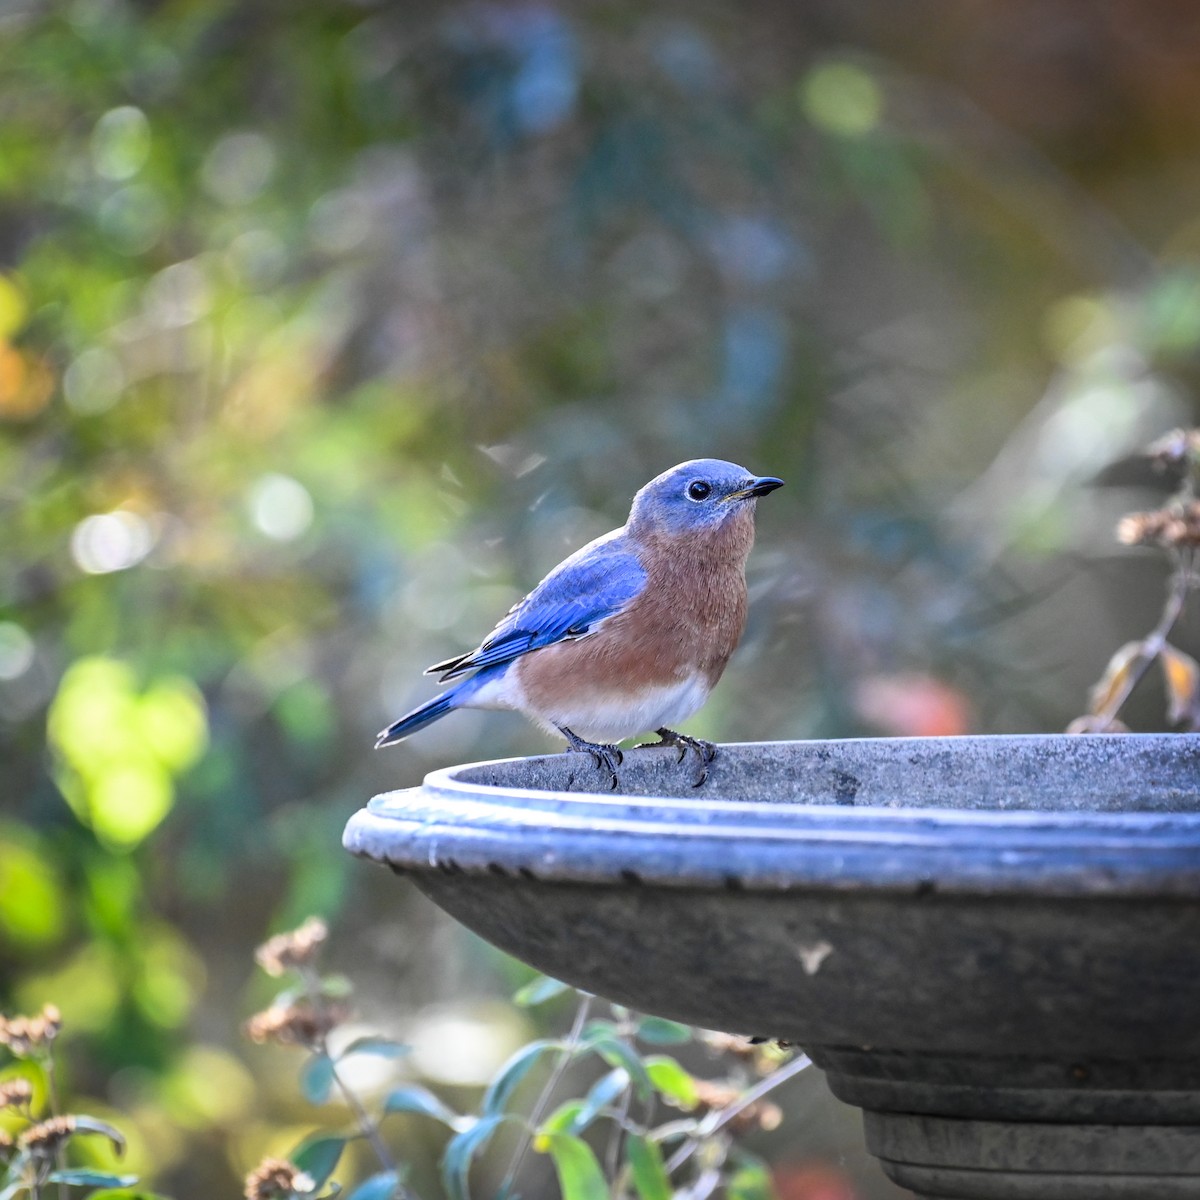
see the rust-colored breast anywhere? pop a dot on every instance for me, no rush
(687, 620)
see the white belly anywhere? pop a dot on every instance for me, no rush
(598, 716)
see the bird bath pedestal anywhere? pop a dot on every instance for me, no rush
(990, 944)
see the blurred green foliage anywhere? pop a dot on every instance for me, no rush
(325, 329)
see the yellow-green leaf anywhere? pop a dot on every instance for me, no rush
(579, 1174)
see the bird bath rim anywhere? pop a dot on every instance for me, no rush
(475, 818)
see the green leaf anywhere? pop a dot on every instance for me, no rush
(85, 1124)
(649, 1171)
(85, 1177)
(563, 1118)
(579, 1174)
(751, 1181)
(378, 1187)
(671, 1081)
(316, 1078)
(500, 1090)
(125, 1194)
(539, 990)
(381, 1047)
(461, 1149)
(601, 1094)
(618, 1053)
(658, 1031)
(414, 1099)
(318, 1156)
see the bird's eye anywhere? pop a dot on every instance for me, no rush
(698, 490)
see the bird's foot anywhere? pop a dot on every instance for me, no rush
(706, 752)
(606, 758)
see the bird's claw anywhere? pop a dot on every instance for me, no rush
(606, 758)
(706, 752)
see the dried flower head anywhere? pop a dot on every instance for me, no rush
(275, 1177)
(760, 1114)
(297, 1024)
(1174, 448)
(730, 1043)
(1172, 527)
(298, 948)
(16, 1093)
(47, 1136)
(26, 1035)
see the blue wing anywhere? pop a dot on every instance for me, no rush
(596, 582)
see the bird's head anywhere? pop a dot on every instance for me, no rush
(696, 497)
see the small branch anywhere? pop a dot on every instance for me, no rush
(60, 1154)
(1152, 644)
(367, 1124)
(539, 1108)
(751, 1096)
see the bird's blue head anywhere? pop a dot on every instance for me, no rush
(697, 496)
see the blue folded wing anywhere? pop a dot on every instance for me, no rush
(595, 583)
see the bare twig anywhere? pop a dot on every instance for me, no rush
(1180, 586)
(539, 1108)
(716, 1120)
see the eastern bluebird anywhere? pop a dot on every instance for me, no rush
(631, 632)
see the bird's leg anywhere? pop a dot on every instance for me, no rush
(605, 757)
(704, 751)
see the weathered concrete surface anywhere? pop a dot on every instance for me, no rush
(991, 944)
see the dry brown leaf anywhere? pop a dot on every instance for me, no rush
(1115, 676)
(1181, 673)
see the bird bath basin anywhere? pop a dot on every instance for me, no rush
(989, 944)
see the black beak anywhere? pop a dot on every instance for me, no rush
(756, 487)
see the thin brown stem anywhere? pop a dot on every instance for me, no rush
(367, 1125)
(60, 1153)
(725, 1115)
(1151, 647)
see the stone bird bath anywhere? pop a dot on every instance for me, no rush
(990, 944)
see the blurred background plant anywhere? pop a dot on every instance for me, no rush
(614, 1115)
(325, 329)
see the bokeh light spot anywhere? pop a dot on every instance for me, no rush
(13, 307)
(26, 384)
(281, 507)
(841, 98)
(16, 650)
(120, 143)
(238, 167)
(93, 381)
(31, 900)
(109, 542)
(133, 218)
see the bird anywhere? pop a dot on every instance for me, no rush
(627, 635)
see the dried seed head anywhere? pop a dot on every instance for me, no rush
(730, 1043)
(16, 1093)
(46, 1137)
(1174, 448)
(1172, 527)
(296, 1024)
(25, 1035)
(298, 948)
(275, 1177)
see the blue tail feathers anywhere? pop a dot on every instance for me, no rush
(430, 711)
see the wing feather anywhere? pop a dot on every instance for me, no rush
(595, 583)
